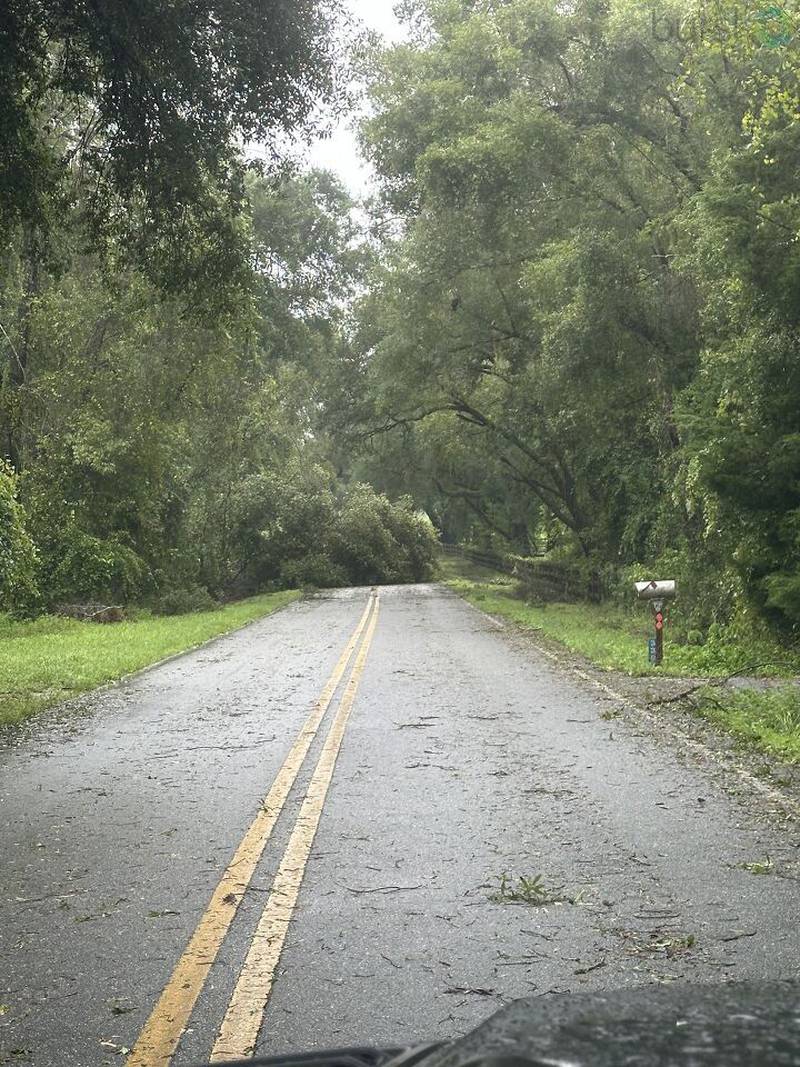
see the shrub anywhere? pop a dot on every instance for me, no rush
(185, 601)
(314, 538)
(77, 566)
(316, 570)
(361, 541)
(416, 541)
(783, 595)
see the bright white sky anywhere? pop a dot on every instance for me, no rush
(339, 151)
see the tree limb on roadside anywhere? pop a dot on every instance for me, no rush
(714, 683)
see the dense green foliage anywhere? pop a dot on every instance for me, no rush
(170, 319)
(18, 559)
(133, 113)
(570, 330)
(581, 339)
(158, 454)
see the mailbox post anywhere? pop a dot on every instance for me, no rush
(657, 593)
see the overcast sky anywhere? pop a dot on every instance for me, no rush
(339, 152)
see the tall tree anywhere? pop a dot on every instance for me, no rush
(144, 106)
(589, 281)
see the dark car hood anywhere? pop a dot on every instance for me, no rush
(736, 1025)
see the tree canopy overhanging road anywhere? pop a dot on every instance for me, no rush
(566, 323)
(559, 341)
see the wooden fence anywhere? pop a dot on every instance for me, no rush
(544, 580)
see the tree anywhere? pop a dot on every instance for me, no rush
(533, 296)
(588, 287)
(141, 108)
(161, 453)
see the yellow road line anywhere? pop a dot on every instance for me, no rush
(162, 1031)
(239, 1031)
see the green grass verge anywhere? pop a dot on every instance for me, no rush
(766, 720)
(617, 640)
(614, 639)
(51, 659)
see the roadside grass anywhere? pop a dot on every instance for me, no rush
(766, 720)
(51, 659)
(616, 640)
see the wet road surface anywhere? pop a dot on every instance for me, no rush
(339, 841)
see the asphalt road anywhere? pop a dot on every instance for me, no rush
(361, 901)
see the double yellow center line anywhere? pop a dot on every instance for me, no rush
(239, 1032)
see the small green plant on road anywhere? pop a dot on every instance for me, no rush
(524, 891)
(611, 713)
(51, 659)
(532, 891)
(765, 866)
(658, 943)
